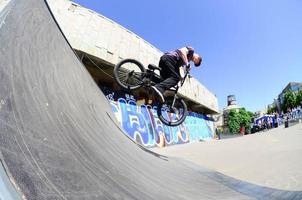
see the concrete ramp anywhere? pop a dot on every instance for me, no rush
(59, 138)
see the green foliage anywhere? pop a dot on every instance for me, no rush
(251, 114)
(271, 110)
(242, 118)
(289, 101)
(233, 121)
(299, 98)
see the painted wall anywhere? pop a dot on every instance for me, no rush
(140, 122)
(96, 35)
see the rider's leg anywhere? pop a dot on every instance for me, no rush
(167, 84)
(169, 74)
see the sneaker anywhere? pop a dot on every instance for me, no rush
(158, 94)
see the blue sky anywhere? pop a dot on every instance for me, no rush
(251, 49)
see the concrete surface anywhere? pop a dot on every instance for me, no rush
(96, 35)
(272, 158)
(60, 140)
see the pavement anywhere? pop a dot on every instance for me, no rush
(59, 138)
(272, 158)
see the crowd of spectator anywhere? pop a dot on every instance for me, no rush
(274, 120)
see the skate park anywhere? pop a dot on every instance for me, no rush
(60, 139)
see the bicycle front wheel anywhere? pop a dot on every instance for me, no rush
(129, 74)
(173, 111)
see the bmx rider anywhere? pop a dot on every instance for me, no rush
(170, 64)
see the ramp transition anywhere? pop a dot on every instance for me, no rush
(59, 138)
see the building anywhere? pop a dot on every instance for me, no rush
(100, 43)
(290, 87)
(231, 104)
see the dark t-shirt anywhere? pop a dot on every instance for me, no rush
(176, 56)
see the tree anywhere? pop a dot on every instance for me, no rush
(289, 101)
(299, 98)
(242, 118)
(233, 122)
(251, 114)
(271, 110)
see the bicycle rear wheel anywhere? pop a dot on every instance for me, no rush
(173, 111)
(129, 74)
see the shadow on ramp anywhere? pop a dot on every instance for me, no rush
(58, 135)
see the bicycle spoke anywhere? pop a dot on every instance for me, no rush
(121, 76)
(128, 74)
(172, 111)
(139, 79)
(124, 77)
(131, 79)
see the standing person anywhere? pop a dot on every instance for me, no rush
(170, 64)
(259, 125)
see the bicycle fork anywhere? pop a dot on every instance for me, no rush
(174, 98)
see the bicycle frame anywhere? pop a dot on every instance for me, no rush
(149, 74)
(145, 77)
(182, 81)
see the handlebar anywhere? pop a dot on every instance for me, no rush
(187, 74)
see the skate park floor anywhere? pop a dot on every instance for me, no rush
(271, 158)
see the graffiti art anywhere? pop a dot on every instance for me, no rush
(140, 122)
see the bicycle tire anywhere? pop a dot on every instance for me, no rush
(135, 80)
(165, 116)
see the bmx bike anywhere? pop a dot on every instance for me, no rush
(130, 75)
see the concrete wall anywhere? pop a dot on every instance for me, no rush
(99, 36)
(140, 122)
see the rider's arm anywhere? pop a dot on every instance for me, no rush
(186, 54)
(183, 54)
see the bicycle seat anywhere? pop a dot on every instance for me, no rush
(153, 67)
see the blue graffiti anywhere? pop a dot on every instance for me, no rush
(141, 123)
